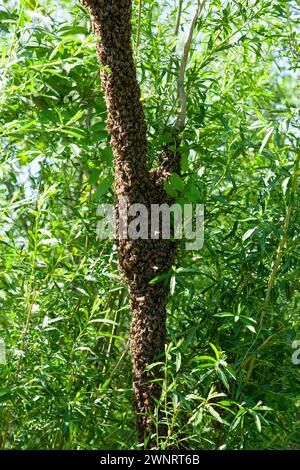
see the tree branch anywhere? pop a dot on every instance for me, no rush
(138, 35)
(282, 241)
(180, 121)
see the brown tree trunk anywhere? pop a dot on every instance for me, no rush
(139, 260)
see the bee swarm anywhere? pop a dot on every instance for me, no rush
(139, 260)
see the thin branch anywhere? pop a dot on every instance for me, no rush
(180, 122)
(178, 18)
(176, 32)
(282, 240)
(138, 35)
(250, 359)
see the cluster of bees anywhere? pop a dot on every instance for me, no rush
(139, 260)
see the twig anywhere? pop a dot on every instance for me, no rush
(251, 359)
(176, 32)
(282, 240)
(138, 35)
(178, 18)
(180, 121)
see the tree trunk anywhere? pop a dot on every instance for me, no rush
(139, 260)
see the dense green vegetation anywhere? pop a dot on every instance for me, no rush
(229, 379)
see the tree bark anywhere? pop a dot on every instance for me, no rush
(139, 260)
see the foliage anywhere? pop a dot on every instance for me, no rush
(228, 381)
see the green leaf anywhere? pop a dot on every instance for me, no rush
(224, 314)
(75, 118)
(169, 189)
(217, 353)
(204, 358)
(248, 233)
(257, 422)
(160, 278)
(172, 285)
(73, 132)
(178, 361)
(235, 422)
(251, 328)
(94, 176)
(266, 139)
(154, 364)
(177, 182)
(215, 414)
(221, 374)
(285, 185)
(103, 187)
(107, 155)
(5, 391)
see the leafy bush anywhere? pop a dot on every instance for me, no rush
(228, 380)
